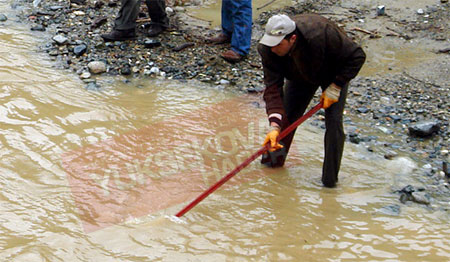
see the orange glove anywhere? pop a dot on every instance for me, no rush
(330, 95)
(272, 138)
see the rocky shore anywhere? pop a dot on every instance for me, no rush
(393, 113)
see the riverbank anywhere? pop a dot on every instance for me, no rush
(393, 93)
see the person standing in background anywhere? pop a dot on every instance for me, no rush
(236, 29)
(125, 22)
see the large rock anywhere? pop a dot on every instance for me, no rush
(421, 198)
(97, 67)
(424, 129)
(3, 18)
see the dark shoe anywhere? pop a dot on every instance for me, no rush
(119, 35)
(231, 56)
(219, 39)
(155, 30)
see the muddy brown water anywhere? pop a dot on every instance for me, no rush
(97, 175)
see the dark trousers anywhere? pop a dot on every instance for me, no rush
(296, 98)
(129, 10)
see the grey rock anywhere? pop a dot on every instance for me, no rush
(256, 89)
(362, 110)
(391, 210)
(224, 82)
(38, 28)
(53, 53)
(3, 18)
(424, 129)
(381, 10)
(354, 138)
(125, 70)
(395, 118)
(408, 189)
(404, 197)
(201, 62)
(92, 86)
(78, 2)
(150, 43)
(97, 67)
(80, 50)
(56, 7)
(421, 198)
(390, 155)
(85, 75)
(60, 39)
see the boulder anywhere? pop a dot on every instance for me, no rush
(424, 129)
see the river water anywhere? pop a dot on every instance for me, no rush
(97, 175)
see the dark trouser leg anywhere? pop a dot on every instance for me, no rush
(157, 12)
(296, 99)
(126, 18)
(334, 140)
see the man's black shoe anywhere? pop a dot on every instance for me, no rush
(155, 30)
(119, 35)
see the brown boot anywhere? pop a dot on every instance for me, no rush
(231, 56)
(119, 35)
(219, 39)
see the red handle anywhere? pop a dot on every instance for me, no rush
(233, 172)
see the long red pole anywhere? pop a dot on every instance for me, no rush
(261, 151)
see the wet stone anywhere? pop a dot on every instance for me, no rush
(362, 110)
(354, 138)
(79, 50)
(53, 53)
(404, 197)
(256, 89)
(381, 10)
(408, 189)
(97, 67)
(38, 28)
(85, 75)
(390, 155)
(123, 46)
(391, 210)
(150, 43)
(60, 39)
(92, 86)
(78, 2)
(395, 118)
(3, 18)
(421, 198)
(125, 70)
(424, 129)
(201, 62)
(55, 7)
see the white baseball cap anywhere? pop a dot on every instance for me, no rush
(277, 28)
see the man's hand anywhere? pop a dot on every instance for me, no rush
(330, 95)
(272, 138)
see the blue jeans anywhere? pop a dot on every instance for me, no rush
(237, 23)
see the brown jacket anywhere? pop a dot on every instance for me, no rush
(322, 54)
